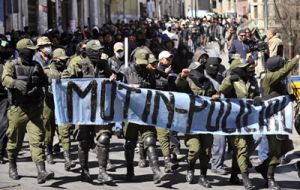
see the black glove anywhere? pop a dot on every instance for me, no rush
(292, 97)
(20, 85)
(257, 101)
(234, 78)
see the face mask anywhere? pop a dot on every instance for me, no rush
(83, 53)
(48, 50)
(241, 72)
(60, 65)
(119, 55)
(94, 56)
(212, 70)
(26, 55)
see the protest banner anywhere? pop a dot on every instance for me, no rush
(99, 101)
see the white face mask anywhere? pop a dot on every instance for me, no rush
(48, 50)
(119, 54)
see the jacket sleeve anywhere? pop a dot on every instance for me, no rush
(182, 84)
(7, 76)
(72, 70)
(283, 72)
(226, 86)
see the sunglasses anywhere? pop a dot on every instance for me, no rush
(243, 35)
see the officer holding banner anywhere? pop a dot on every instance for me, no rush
(141, 73)
(199, 145)
(273, 85)
(93, 65)
(53, 71)
(25, 80)
(237, 85)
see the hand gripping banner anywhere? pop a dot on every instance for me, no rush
(99, 101)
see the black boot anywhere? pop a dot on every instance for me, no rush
(43, 175)
(246, 181)
(49, 155)
(102, 154)
(234, 179)
(190, 172)
(129, 157)
(83, 155)
(13, 172)
(263, 169)
(203, 181)
(68, 162)
(2, 159)
(143, 161)
(169, 165)
(158, 176)
(272, 184)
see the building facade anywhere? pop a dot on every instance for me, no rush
(40, 15)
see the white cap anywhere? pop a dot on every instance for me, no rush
(164, 54)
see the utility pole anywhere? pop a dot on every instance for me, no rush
(266, 15)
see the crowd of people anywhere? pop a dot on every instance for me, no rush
(178, 55)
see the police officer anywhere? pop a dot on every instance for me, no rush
(5, 53)
(141, 73)
(199, 146)
(93, 65)
(25, 79)
(238, 85)
(53, 71)
(165, 80)
(273, 85)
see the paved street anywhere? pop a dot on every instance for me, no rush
(286, 174)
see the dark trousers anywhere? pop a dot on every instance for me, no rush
(3, 125)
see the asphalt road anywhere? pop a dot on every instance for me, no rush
(286, 174)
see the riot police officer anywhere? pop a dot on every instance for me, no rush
(25, 79)
(240, 84)
(273, 85)
(141, 73)
(53, 71)
(90, 65)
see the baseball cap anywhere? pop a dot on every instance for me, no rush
(94, 44)
(152, 59)
(59, 53)
(25, 43)
(43, 40)
(164, 54)
(118, 46)
(141, 56)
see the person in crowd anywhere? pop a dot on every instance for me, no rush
(273, 84)
(238, 46)
(25, 80)
(274, 43)
(5, 53)
(237, 85)
(141, 73)
(199, 145)
(92, 65)
(54, 71)
(44, 54)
